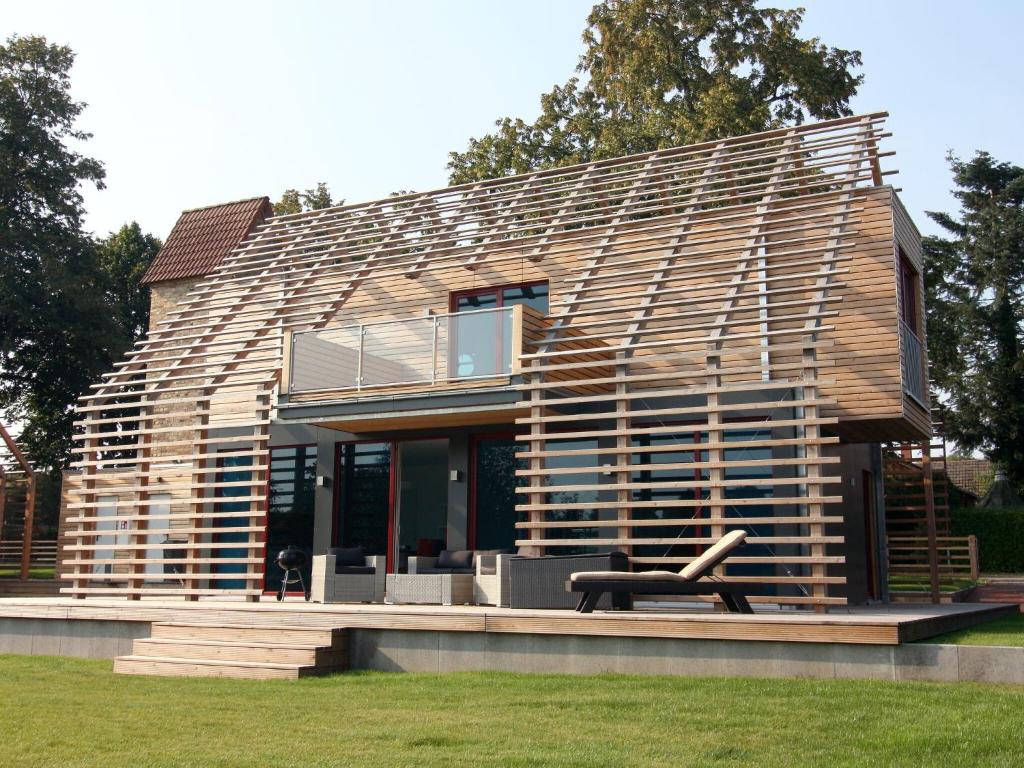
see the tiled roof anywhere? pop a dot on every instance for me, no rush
(202, 237)
(971, 475)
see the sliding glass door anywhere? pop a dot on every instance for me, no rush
(421, 501)
(393, 498)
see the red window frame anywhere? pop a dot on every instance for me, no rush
(498, 290)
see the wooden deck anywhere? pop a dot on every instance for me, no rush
(877, 625)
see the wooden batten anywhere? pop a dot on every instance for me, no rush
(722, 310)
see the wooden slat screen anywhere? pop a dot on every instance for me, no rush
(694, 321)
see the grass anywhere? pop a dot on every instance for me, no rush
(1008, 630)
(72, 712)
(913, 584)
(14, 572)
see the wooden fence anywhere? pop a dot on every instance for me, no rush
(957, 558)
(42, 554)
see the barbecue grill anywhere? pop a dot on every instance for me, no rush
(291, 560)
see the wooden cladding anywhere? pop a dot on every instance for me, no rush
(695, 293)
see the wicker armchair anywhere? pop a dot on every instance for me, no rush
(348, 576)
(491, 580)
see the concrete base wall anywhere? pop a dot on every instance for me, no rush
(423, 651)
(60, 637)
(396, 650)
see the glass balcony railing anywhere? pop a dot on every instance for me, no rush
(912, 359)
(421, 351)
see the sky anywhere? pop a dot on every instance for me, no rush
(197, 103)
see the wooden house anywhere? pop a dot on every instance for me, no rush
(636, 354)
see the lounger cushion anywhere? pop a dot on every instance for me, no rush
(348, 556)
(713, 556)
(451, 559)
(353, 570)
(585, 576)
(446, 571)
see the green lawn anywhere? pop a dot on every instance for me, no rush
(69, 712)
(13, 572)
(1006, 631)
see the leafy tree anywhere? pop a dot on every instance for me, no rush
(124, 257)
(293, 201)
(54, 328)
(974, 282)
(661, 73)
(68, 306)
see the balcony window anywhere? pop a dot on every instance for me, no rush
(907, 278)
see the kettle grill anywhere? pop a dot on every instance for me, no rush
(291, 560)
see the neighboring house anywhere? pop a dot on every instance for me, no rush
(971, 476)
(637, 354)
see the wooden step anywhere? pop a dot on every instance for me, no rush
(175, 667)
(222, 650)
(256, 633)
(253, 651)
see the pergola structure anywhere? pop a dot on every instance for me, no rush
(29, 502)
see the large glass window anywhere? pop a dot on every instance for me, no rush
(290, 508)
(575, 503)
(661, 468)
(494, 492)
(364, 487)
(750, 474)
(233, 469)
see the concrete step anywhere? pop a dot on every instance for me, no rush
(271, 634)
(223, 650)
(184, 667)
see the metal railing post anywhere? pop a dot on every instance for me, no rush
(433, 358)
(359, 360)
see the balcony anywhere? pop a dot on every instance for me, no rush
(912, 360)
(450, 351)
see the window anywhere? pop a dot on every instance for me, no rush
(290, 508)
(907, 286)
(533, 295)
(481, 343)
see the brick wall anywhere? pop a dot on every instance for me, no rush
(164, 297)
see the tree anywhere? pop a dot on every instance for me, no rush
(124, 257)
(69, 306)
(54, 328)
(662, 73)
(974, 283)
(293, 201)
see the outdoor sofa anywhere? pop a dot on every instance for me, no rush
(694, 579)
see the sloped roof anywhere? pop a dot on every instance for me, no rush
(971, 475)
(202, 237)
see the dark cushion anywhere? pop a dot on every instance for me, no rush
(354, 569)
(467, 571)
(348, 556)
(450, 559)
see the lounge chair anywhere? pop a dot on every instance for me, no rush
(690, 581)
